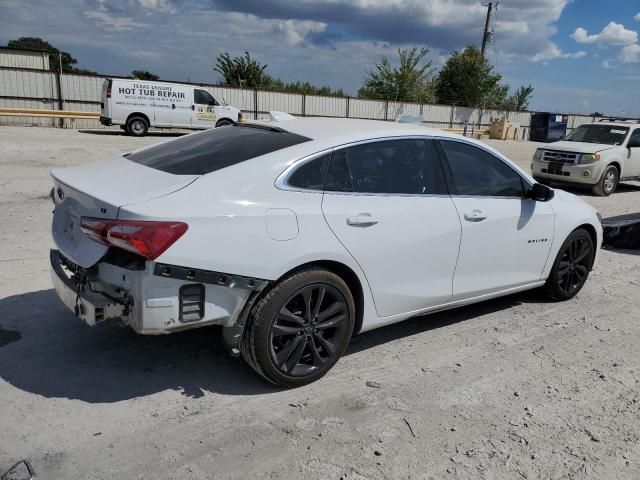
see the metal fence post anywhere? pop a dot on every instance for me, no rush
(347, 108)
(453, 107)
(60, 100)
(255, 101)
(304, 104)
(386, 109)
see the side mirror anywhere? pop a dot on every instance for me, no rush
(541, 193)
(634, 142)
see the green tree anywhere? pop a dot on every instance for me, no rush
(411, 81)
(304, 87)
(56, 57)
(144, 75)
(519, 101)
(242, 71)
(468, 79)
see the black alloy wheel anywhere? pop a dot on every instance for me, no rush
(306, 332)
(300, 327)
(572, 266)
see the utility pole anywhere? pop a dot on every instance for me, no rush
(487, 34)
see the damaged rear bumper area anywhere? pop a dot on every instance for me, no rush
(155, 298)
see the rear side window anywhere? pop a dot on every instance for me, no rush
(311, 175)
(476, 172)
(214, 149)
(389, 167)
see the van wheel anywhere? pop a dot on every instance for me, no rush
(224, 122)
(137, 126)
(608, 183)
(300, 328)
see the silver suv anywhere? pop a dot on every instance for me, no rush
(598, 154)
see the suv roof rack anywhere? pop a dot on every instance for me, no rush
(616, 119)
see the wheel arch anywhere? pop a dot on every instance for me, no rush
(591, 230)
(225, 118)
(138, 114)
(615, 163)
(349, 276)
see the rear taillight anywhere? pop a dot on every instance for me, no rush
(147, 238)
(109, 83)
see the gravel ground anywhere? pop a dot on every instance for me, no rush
(512, 388)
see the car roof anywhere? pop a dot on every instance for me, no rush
(346, 130)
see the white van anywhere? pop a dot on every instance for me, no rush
(136, 105)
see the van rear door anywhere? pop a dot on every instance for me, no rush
(105, 106)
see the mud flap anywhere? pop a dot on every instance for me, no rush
(622, 231)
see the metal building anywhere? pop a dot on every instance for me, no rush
(18, 58)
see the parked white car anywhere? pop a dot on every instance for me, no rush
(599, 155)
(295, 235)
(136, 105)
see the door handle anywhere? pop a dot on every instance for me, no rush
(193, 107)
(361, 220)
(475, 216)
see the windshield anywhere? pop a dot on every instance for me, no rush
(603, 134)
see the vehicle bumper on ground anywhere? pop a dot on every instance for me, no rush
(588, 174)
(106, 121)
(154, 298)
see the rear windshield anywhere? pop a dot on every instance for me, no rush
(215, 149)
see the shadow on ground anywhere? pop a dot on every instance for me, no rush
(119, 132)
(45, 350)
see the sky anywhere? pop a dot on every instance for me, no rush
(581, 56)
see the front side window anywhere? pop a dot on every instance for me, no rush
(406, 166)
(202, 97)
(477, 172)
(635, 136)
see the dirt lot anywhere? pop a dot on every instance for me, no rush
(513, 388)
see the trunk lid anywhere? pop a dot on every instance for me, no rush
(99, 190)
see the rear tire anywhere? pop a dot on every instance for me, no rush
(571, 267)
(137, 126)
(297, 332)
(608, 182)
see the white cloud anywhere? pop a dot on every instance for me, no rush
(157, 5)
(606, 64)
(630, 54)
(637, 17)
(553, 52)
(613, 34)
(112, 23)
(296, 31)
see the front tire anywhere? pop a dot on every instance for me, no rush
(300, 328)
(137, 126)
(608, 182)
(571, 267)
(224, 122)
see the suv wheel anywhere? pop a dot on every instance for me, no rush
(608, 183)
(300, 328)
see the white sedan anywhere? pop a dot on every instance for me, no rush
(295, 235)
